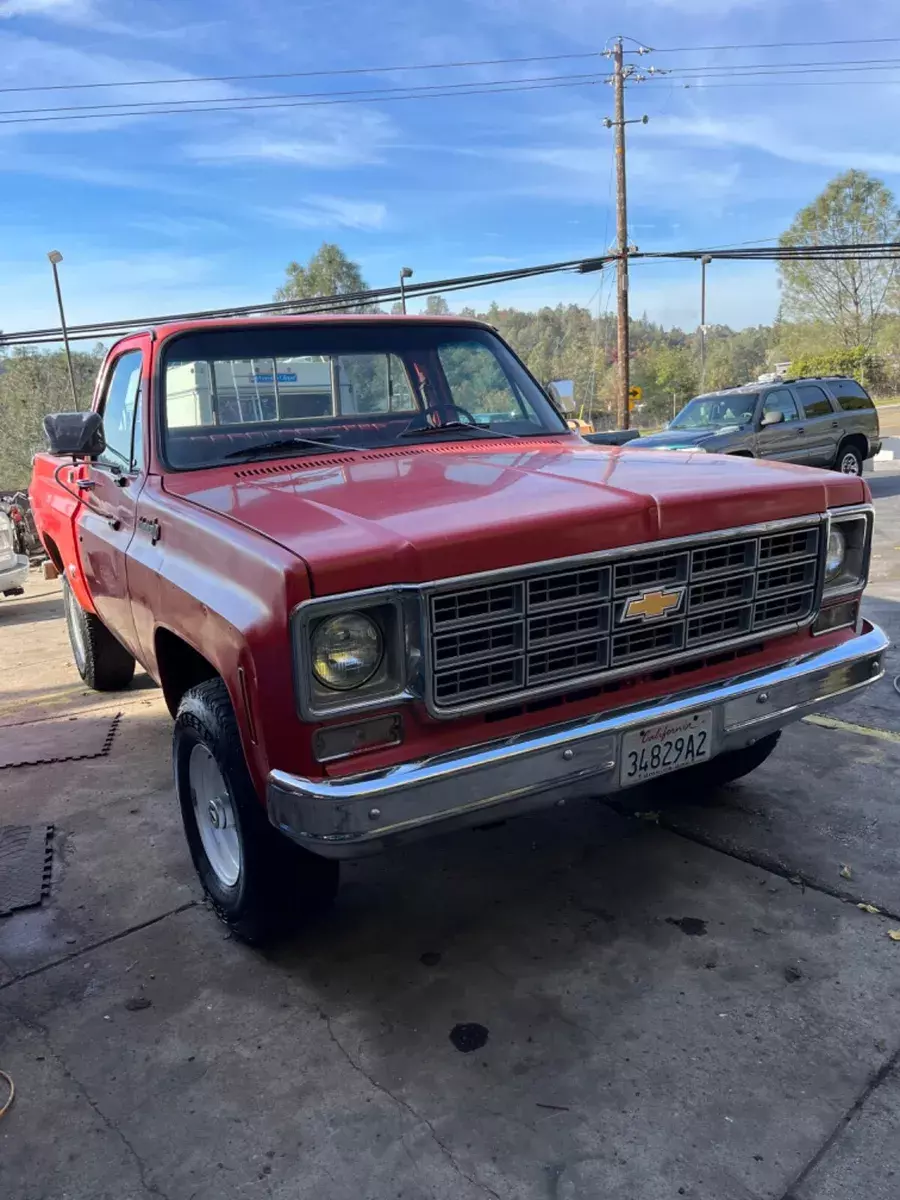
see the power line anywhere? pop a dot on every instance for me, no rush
(787, 66)
(445, 66)
(769, 45)
(249, 106)
(363, 93)
(862, 252)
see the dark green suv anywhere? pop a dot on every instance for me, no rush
(823, 422)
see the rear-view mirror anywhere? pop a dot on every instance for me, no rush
(773, 417)
(79, 434)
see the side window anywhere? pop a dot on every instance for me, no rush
(850, 396)
(119, 406)
(815, 402)
(782, 402)
(477, 382)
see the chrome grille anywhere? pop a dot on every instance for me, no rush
(506, 637)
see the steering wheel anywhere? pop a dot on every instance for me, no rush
(440, 411)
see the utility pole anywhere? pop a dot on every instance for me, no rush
(622, 339)
(705, 260)
(618, 123)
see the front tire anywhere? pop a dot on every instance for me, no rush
(102, 662)
(849, 460)
(259, 883)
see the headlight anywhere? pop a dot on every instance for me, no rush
(836, 553)
(346, 651)
(847, 552)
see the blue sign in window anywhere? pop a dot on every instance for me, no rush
(283, 377)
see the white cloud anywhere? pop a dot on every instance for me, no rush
(776, 137)
(327, 140)
(77, 12)
(329, 212)
(102, 288)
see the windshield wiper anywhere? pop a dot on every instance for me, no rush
(455, 427)
(291, 443)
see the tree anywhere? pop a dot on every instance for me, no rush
(437, 306)
(32, 384)
(328, 273)
(850, 295)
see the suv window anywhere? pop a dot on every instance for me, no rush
(850, 395)
(783, 402)
(118, 408)
(814, 400)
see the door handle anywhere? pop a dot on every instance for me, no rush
(801, 430)
(835, 425)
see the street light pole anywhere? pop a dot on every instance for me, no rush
(56, 258)
(704, 263)
(405, 273)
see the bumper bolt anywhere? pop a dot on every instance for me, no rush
(568, 755)
(374, 814)
(762, 698)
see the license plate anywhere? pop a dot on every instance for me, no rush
(666, 746)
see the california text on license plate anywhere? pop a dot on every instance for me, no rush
(666, 746)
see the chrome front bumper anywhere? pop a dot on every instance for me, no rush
(360, 814)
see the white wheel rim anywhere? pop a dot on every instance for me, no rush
(76, 633)
(849, 465)
(214, 814)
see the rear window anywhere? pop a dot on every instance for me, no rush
(850, 395)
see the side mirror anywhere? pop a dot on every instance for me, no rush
(773, 417)
(79, 434)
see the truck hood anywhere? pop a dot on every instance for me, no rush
(417, 513)
(679, 439)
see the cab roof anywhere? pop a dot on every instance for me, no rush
(168, 328)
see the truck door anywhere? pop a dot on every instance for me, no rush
(784, 441)
(822, 429)
(107, 520)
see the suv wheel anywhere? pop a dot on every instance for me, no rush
(103, 662)
(259, 883)
(849, 461)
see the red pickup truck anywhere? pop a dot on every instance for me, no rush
(386, 591)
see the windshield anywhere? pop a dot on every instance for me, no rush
(279, 390)
(716, 411)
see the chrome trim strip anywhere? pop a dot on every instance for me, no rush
(340, 817)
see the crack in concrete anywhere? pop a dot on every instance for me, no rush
(148, 1185)
(872, 1085)
(407, 1107)
(107, 941)
(772, 865)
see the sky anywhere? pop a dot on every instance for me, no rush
(164, 213)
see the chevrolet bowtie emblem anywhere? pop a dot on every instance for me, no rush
(650, 605)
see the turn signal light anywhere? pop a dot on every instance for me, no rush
(340, 741)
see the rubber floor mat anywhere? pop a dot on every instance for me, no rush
(26, 860)
(63, 739)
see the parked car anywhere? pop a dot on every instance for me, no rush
(817, 422)
(374, 617)
(13, 566)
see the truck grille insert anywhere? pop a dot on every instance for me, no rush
(503, 638)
